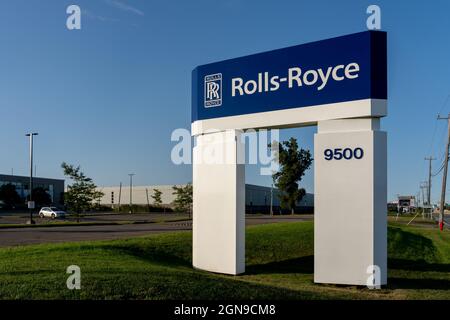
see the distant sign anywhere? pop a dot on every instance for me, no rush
(31, 205)
(347, 68)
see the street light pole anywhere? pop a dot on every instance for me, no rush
(30, 187)
(131, 191)
(271, 200)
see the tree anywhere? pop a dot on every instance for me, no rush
(41, 197)
(82, 195)
(156, 196)
(183, 199)
(9, 195)
(293, 164)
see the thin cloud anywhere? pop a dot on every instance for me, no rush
(124, 7)
(93, 16)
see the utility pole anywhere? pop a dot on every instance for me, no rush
(423, 188)
(30, 187)
(120, 194)
(429, 159)
(148, 202)
(131, 191)
(444, 176)
(418, 199)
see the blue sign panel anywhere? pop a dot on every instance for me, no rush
(346, 68)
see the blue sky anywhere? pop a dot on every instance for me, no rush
(107, 97)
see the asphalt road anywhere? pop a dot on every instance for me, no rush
(21, 218)
(36, 235)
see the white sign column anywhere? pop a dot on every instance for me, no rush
(350, 196)
(219, 202)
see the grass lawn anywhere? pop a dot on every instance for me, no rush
(58, 223)
(279, 266)
(419, 220)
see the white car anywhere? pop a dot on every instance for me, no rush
(51, 212)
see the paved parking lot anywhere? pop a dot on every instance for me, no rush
(144, 224)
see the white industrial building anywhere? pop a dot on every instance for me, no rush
(257, 198)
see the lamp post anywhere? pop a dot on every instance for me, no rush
(271, 199)
(131, 191)
(30, 187)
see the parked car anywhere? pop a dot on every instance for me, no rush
(51, 212)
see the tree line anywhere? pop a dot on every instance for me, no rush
(83, 195)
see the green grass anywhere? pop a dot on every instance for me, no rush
(419, 220)
(279, 266)
(52, 224)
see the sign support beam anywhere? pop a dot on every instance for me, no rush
(350, 196)
(219, 203)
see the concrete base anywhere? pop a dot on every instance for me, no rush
(350, 231)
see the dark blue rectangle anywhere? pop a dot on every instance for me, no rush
(212, 83)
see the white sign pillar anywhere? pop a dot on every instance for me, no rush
(219, 202)
(350, 196)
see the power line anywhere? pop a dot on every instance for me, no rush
(431, 149)
(442, 167)
(435, 124)
(445, 102)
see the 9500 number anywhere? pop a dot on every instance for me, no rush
(346, 154)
